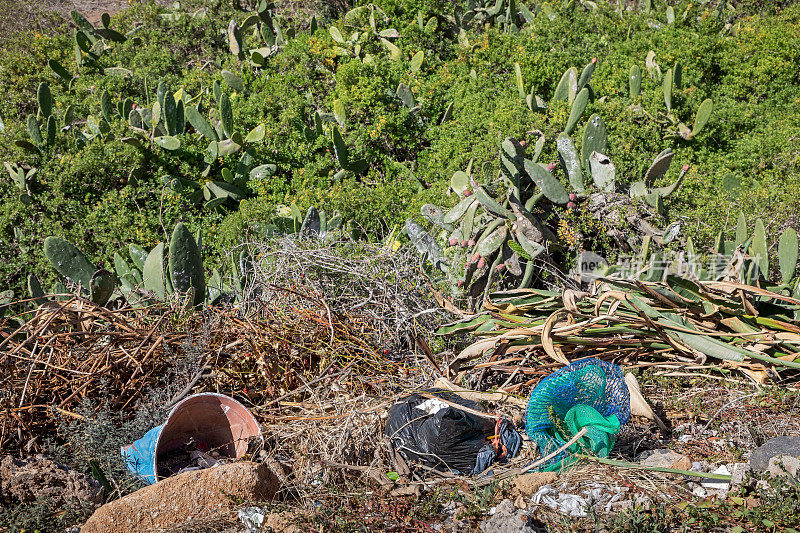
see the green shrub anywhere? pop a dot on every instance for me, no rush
(107, 194)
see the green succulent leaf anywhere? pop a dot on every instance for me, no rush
(153, 275)
(788, 254)
(594, 139)
(167, 142)
(635, 81)
(703, 116)
(256, 134)
(226, 114)
(69, 261)
(578, 107)
(758, 248)
(547, 183)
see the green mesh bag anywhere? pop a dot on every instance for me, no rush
(588, 393)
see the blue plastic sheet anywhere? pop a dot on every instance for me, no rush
(140, 457)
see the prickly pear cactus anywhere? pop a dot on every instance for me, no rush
(186, 264)
(69, 261)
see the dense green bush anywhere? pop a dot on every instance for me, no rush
(106, 193)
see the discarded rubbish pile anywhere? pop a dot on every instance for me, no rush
(679, 324)
(542, 389)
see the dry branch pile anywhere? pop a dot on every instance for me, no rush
(315, 351)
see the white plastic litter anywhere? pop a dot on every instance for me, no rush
(717, 484)
(570, 504)
(431, 406)
(252, 518)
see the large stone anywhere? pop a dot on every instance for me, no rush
(784, 465)
(507, 519)
(665, 459)
(759, 459)
(740, 471)
(194, 495)
(39, 477)
(528, 484)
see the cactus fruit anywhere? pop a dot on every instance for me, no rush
(453, 241)
(481, 263)
(185, 264)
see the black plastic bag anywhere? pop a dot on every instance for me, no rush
(435, 434)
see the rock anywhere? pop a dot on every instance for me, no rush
(189, 496)
(740, 471)
(665, 459)
(407, 490)
(784, 465)
(759, 459)
(507, 519)
(39, 477)
(281, 523)
(520, 502)
(528, 484)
